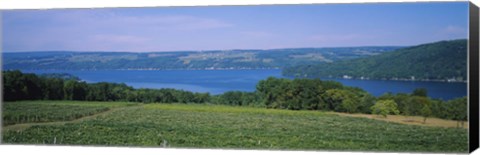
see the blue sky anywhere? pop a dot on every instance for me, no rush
(233, 27)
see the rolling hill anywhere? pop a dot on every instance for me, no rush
(227, 59)
(442, 61)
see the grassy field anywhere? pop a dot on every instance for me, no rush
(48, 111)
(215, 126)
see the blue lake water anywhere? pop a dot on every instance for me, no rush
(219, 81)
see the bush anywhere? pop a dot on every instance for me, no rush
(385, 107)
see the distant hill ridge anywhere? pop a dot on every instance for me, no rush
(438, 61)
(215, 59)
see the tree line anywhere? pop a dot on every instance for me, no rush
(276, 93)
(27, 86)
(315, 94)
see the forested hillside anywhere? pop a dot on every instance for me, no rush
(444, 60)
(228, 59)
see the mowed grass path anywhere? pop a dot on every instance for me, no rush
(214, 126)
(414, 120)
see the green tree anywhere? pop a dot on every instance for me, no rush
(458, 110)
(439, 108)
(269, 91)
(426, 112)
(132, 96)
(11, 85)
(385, 107)
(414, 104)
(342, 100)
(74, 90)
(350, 105)
(232, 98)
(201, 97)
(53, 89)
(366, 101)
(68, 89)
(334, 99)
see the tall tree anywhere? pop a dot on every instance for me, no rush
(426, 112)
(53, 89)
(458, 110)
(74, 90)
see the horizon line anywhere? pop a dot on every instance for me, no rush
(234, 49)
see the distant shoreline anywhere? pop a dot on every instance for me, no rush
(420, 80)
(395, 79)
(147, 69)
(275, 68)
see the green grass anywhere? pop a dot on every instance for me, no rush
(213, 126)
(49, 111)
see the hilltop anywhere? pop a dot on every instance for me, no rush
(443, 61)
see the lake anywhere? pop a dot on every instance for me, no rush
(219, 81)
